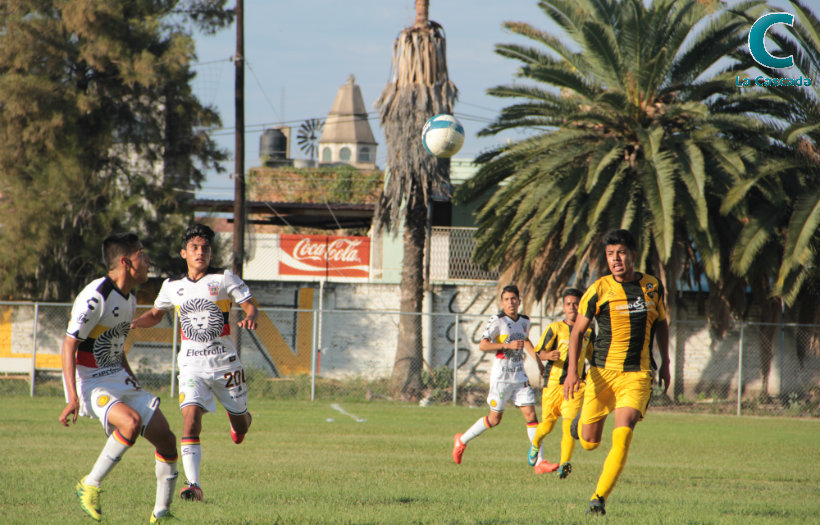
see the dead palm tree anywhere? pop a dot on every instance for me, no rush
(419, 88)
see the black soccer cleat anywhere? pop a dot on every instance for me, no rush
(596, 506)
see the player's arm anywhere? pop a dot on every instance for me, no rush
(127, 367)
(249, 322)
(662, 338)
(485, 345)
(68, 353)
(548, 340)
(576, 339)
(150, 318)
(531, 352)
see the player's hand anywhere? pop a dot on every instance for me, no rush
(570, 386)
(72, 408)
(664, 378)
(247, 323)
(514, 345)
(552, 355)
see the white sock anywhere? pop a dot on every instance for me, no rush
(191, 457)
(475, 430)
(531, 435)
(166, 470)
(111, 454)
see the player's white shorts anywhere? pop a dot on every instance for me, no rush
(97, 396)
(508, 381)
(202, 388)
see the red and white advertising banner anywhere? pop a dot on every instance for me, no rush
(324, 255)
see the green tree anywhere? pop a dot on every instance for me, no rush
(780, 237)
(100, 132)
(634, 122)
(419, 88)
(791, 199)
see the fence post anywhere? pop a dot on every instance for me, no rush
(313, 355)
(740, 368)
(174, 353)
(34, 351)
(455, 364)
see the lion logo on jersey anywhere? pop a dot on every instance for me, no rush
(109, 346)
(201, 320)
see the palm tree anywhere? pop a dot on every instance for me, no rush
(635, 122)
(419, 88)
(780, 238)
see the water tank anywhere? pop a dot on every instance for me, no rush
(273, 144)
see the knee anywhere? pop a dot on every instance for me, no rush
(587, 445)
(130, 427)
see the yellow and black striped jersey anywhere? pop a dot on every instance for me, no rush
(626, 314)
(556, 337)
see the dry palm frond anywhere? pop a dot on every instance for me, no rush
(419, 88)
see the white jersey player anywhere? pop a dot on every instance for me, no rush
(99, 382)
(209, 367)
(506, 336)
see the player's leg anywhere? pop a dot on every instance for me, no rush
(497, 399)
(598, 402)
(551, 398)
(570, 409)
(240, 424)
(124, 424)
(191, 451)
(159, 434)
(231, 390)
(195, 398)
(632, 391)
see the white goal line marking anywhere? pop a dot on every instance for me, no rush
(338, 408)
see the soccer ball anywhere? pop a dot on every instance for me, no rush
(442, 135)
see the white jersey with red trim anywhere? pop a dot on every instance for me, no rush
(203, 307)
(502, 328)
(100, 320)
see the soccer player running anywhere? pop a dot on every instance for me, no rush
(209, 367)
(628, 306)
(506, 335)
(99, 381)
(553, 347)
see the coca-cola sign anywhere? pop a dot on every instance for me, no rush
(324, 255)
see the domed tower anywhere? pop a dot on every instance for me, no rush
(347, 137)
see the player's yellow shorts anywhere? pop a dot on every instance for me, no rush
(607, 390)
(554, 405)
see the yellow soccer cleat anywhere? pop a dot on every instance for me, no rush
(165, 518)
(89, 496)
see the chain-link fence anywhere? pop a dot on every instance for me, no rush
(430, 358)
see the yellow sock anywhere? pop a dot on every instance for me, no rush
(567, 441)
(615, 461)
(544, 428)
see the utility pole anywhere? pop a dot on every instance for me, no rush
(239, 148)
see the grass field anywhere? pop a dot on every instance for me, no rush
(298, 467)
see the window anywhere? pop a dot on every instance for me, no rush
(364, 154)
(344, 154)
(326, 155)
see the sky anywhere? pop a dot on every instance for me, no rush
(298, 54)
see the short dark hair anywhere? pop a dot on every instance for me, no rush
(621, 237)
(512, 289)
(118, 245)
(575, 292)
(198, 230)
